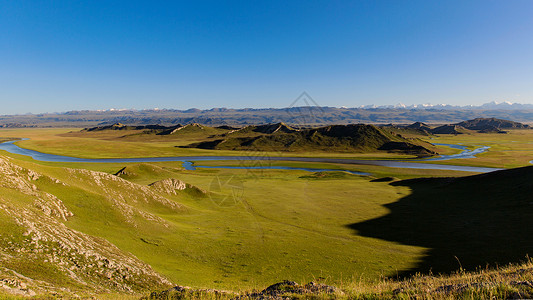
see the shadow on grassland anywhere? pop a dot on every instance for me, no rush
(477, 220)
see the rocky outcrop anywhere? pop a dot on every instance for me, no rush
(286, 288)
(107, 184)
(64, 261)
(169, 185)
(125, 172)
(173, 186)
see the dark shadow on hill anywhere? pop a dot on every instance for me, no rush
(476, 220)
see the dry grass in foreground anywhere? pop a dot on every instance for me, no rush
(509, 282)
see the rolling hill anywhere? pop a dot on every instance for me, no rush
(157, 129)
(488, 124)
(273, 137)
(119, 126)
(480, 125)
(339, 138)
(450, 129)
(419, 126)
(267, 128)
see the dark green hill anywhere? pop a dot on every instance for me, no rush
(422, 127)
(193, 129)
(481, 125)
(226, 127)
(339, 138)
(491, 124)
(465, 221)
(268, 129)
(189, 128)
(119, 126)
(450, 129)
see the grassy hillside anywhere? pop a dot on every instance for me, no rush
(485, 124)
(186, 237)
(42, 248)
(477, 125)
(271, 137)
(123, 132)
(451, 129)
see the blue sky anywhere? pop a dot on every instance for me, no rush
(73, 55)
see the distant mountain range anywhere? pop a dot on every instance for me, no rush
(294, 116)
(493, 105)
(506, 105)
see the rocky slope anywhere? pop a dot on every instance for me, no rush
(40, 252)
(173, 186)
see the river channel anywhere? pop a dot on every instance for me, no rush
(192, 162)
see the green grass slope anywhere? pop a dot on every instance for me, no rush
(279, 225)
(147, 133)
(490, 123)
(41, 248)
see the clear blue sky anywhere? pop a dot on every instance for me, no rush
(70, 55)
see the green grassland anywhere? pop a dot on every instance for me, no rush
(251, 228)
(510, 150)
(131, 143)
(507, 150)
(374, 171)
(245, 243)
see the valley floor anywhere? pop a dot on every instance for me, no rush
(155, 225)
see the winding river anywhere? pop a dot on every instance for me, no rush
(189, 162)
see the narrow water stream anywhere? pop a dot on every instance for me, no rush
(189, 162)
